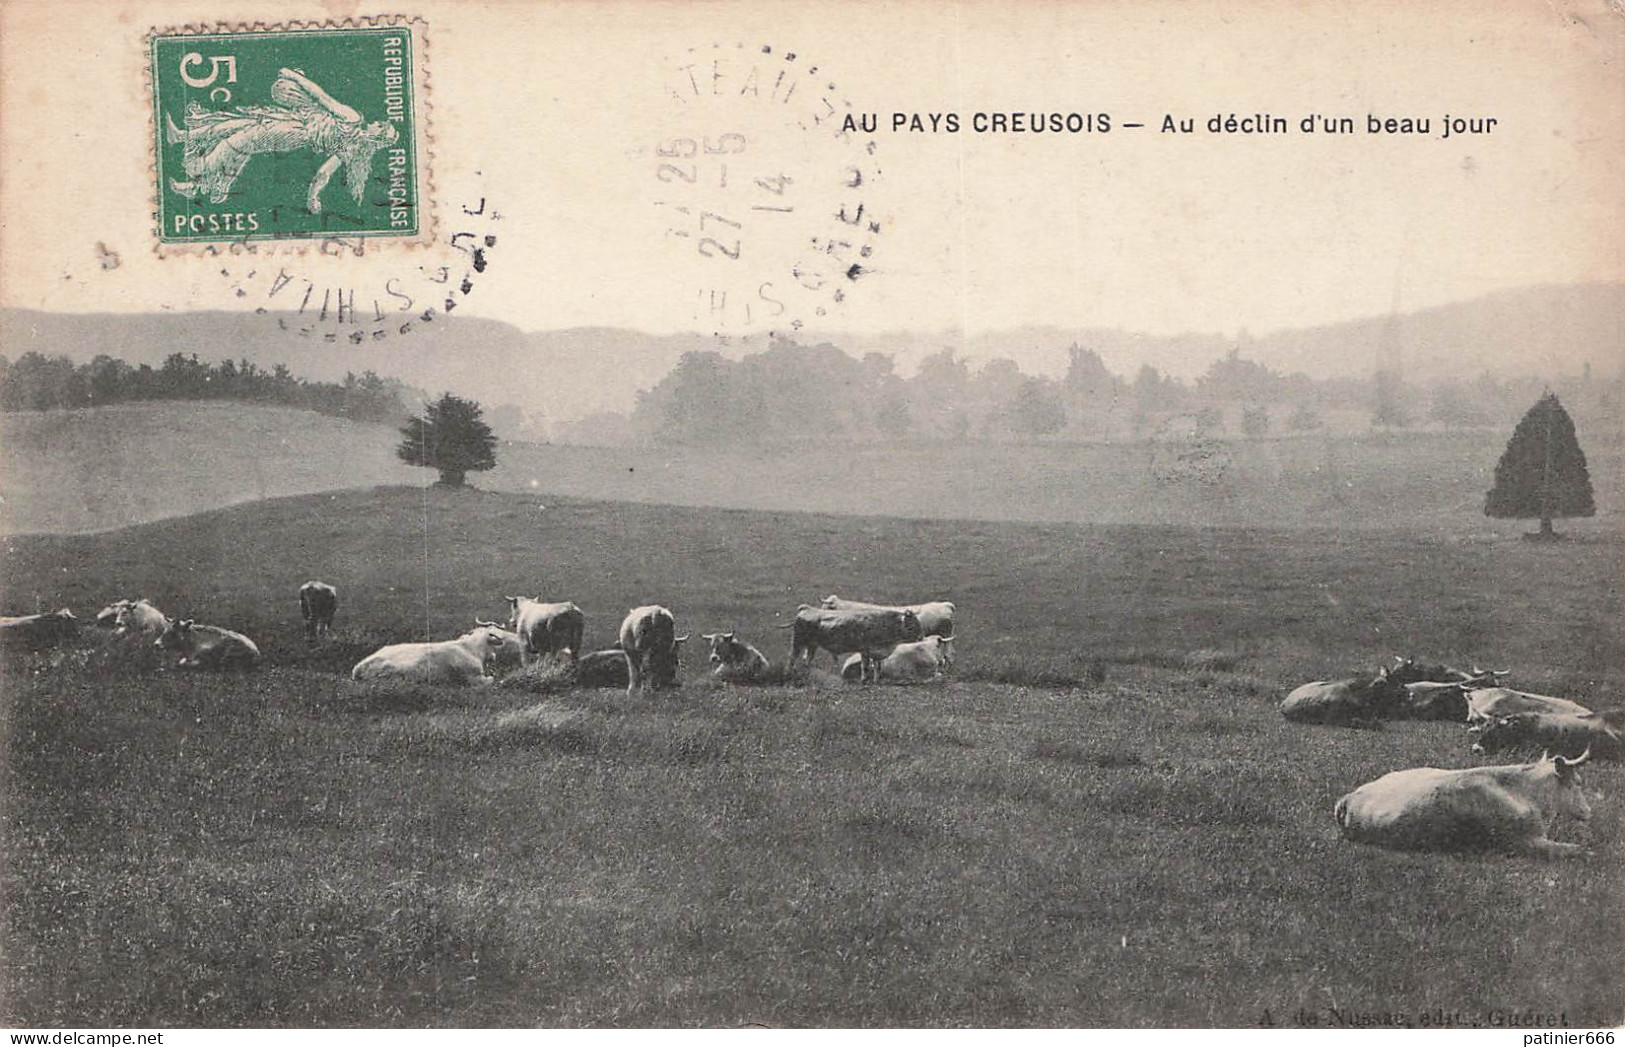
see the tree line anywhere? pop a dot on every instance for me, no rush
(36, 382)
(793, 392)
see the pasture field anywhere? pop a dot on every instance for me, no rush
(103, 468)
(1100, 819)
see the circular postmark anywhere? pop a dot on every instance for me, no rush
(760, 188)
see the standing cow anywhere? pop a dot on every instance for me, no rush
(864, 631)
(546, 628)
(936, 617)
(649, 641)
(318, 603)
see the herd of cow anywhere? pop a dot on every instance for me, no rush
(1509, 806)
(872, 642)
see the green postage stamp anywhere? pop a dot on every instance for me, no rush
(289, 133)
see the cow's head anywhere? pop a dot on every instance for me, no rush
(909, 622)
(663, 664)
(1571, 798)
(490, 634)
(1505, 732)
(725, 649)
(945, 646)
(111, 615)
(830, 602)
(177, 635)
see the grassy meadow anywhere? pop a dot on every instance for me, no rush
(1100, 819)
(104, 468)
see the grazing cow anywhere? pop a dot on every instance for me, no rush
(36, 632)
(506, 657)
(603, 669)
(1509, 807)
(126, 617)
(649, 641)
(208, 646)
(1353, 702)
(907, 661)
(444, 661)
(1566, 734)
(318, 602)
(936, 617)
(733, 660)
(1488, 703)
(546, 628)
(861, 630)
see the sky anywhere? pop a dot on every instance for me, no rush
(557, 114)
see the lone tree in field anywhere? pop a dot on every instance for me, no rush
(449, 436)
(1542, 473)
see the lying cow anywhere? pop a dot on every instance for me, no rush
(506, 657)
(546, 628)
(1436, 700)
(929, 657)
(1508, 808)
(459, 661)
(651, 647)
(733, 660)
(1487, 704)
(936, 618)
(37, 632)
(318, 603)
(208, 646)
(1566, 734)
(133, 618)
(843, 632)
(1352, 702)
(1409, 671)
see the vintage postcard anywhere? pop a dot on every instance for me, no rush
(950, 514)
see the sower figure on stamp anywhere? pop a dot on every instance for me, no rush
(219, 143)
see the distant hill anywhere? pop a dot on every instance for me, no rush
(570, 374)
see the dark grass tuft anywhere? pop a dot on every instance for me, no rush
(544, 676)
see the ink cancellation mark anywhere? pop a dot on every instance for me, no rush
(318, 298)
(760, 194)
(291, 133)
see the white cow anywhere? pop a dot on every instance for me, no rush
(1509, 807)
(546, 628)
(510, 655)
(907, 661)
(733, 659)
(936, 618)
(1487, 704)
(651, 647)
(445, 661)
(126, 617)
